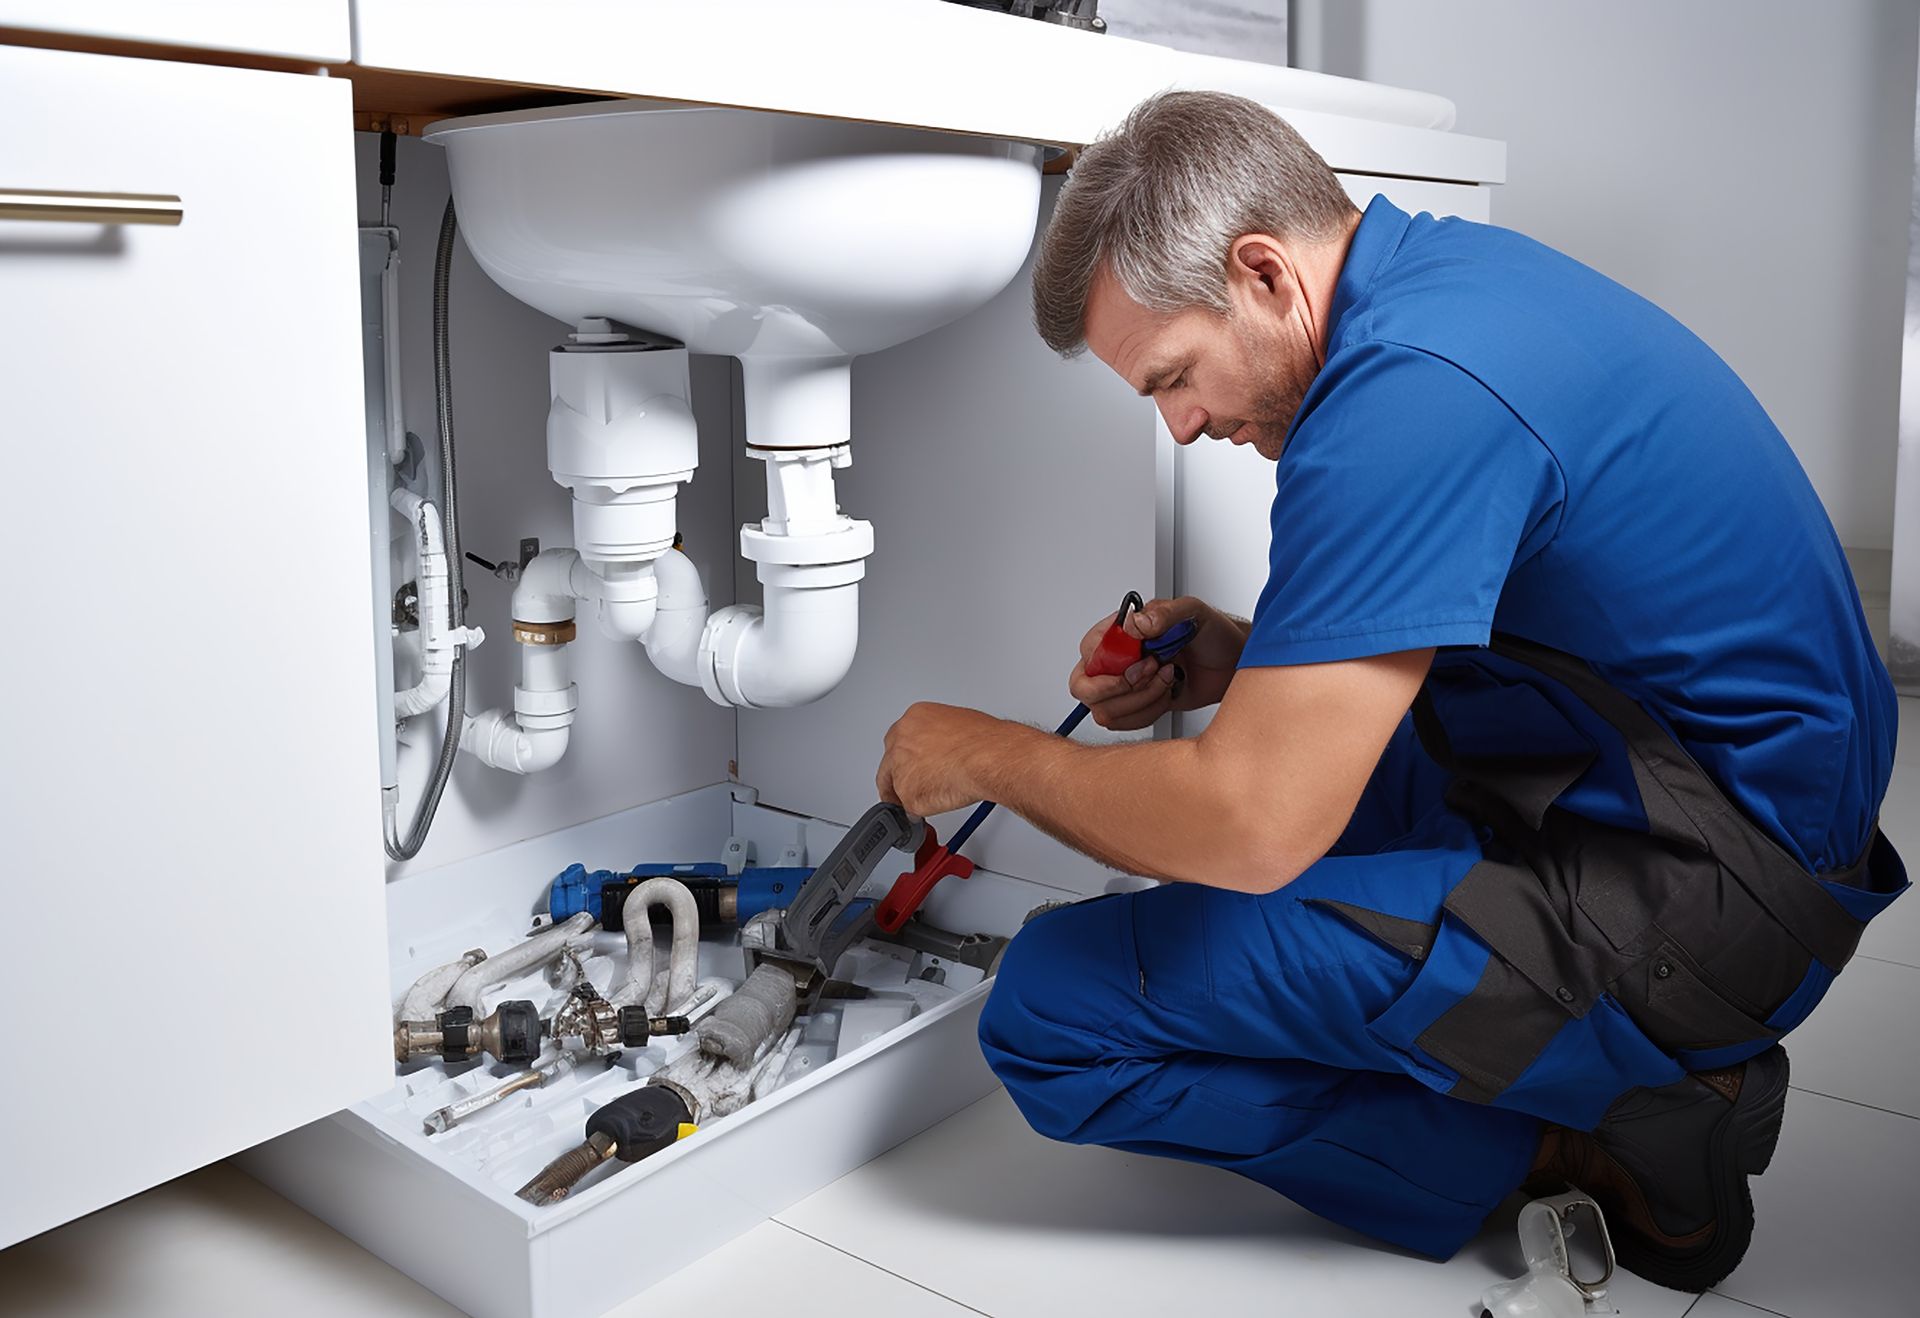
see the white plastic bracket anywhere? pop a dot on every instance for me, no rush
(736, 854)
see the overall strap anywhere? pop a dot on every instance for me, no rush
(1683, 805)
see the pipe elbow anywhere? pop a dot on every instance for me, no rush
(627, 620)
(796, 651)
(539, 749)
(497, 740)
(423, 695)
(545, 590)
(673, 639)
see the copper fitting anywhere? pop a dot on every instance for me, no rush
(544, 633)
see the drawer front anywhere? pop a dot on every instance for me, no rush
(301, 29)
(191, 823)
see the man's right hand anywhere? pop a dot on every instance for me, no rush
(1147, 690)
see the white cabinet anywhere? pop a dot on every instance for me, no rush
(302, 29)
(195, 949)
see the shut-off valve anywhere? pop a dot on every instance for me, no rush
(511, 1034)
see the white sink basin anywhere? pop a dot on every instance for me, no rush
(792, 243)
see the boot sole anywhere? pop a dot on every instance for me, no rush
(1743, 1146)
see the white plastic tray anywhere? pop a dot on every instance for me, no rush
(442, 1209)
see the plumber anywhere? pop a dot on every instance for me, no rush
(1541, 797)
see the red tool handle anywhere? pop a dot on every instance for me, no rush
(1118, 651)
(931, 864)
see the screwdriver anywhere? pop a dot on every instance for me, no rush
(1117, 651)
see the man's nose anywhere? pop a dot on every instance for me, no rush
(1187, 424)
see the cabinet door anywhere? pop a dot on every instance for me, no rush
(301, 29)
(194, 953)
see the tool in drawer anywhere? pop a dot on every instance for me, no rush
(629, 1128)
(722, 896)
(828, 915)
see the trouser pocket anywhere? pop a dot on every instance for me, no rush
(1678, 1005)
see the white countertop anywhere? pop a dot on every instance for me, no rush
(923, 63)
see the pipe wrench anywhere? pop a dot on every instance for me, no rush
(827, 916)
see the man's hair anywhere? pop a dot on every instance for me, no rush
(1160, 201)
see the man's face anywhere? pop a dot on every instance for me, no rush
(1239, 377)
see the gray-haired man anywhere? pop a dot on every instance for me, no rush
(1541, 799)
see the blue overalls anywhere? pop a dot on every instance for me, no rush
(1568, 877)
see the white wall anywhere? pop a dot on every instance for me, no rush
(1243, 29)
(638, 737)
(1743, 163)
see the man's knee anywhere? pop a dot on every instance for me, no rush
(1059, 987)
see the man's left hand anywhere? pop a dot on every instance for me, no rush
(932, 756)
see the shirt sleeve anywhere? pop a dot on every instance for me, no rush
(1405, 496)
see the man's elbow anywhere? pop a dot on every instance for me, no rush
(1263, 854)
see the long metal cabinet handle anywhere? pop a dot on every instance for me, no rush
(90, 207)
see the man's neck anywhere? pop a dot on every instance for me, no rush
(1319, 269)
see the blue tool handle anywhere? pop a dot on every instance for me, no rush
(1162, 647)
(1171, 641)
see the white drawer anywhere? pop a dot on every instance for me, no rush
(301, 29)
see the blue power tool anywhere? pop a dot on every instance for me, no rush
(723, 898)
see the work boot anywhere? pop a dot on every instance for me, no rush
(1669, 1168)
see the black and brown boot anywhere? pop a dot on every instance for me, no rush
(1669, 1168)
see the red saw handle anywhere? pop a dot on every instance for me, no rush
(931, 864)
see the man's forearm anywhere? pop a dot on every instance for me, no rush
(1150, 808)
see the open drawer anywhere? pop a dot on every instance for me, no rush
(442, 1207)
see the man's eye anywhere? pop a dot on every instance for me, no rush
(1179, 381)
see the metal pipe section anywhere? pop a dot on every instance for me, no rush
(758, 1011)
(673, 990)
(469, 990)
(430, 990)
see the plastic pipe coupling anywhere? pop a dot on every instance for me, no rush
(621, 438)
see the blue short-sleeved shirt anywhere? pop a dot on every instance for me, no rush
(1505, 440)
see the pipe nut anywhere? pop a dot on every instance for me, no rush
(544, 633)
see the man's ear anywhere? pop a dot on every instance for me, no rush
(1259, 268)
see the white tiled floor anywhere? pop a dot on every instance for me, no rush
(978, 1215)
(982, 1210)
(1719, 1306)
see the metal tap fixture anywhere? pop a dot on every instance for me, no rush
(512, 1034)
(603, 1029)
(629, 1128)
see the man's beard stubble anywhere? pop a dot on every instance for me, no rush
(1282, 389)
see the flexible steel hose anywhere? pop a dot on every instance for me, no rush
(416, 837)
